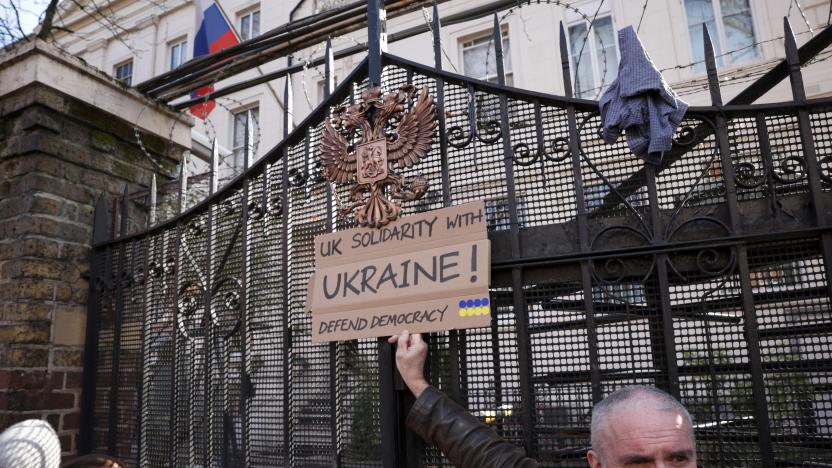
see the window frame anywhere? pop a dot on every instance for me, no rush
(486, 35)
(235, 148)
(592, 46)
(249, 13)
(722, 61)
(119, 65)
(182, 44)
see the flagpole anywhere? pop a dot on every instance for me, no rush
(259, 70)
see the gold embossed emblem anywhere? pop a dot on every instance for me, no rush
(363, 143)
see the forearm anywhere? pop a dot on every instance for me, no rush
(464, 439)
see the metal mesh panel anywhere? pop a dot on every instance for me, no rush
(106, 333)
(310, 362)
(130, 352)
(560, 363)
(264, 324)
(793, 310)
(225, 339)
(820, 120)
(157, 365)
(663, 277)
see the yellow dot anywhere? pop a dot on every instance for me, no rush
(486, 310)
(462, 312)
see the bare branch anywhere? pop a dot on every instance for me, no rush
(48, 17)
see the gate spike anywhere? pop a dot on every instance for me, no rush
(151, 217)
(125, 207)
(498, 51)
(215, 164)
(710, 65)
(564, 63)
(248, 142)
(437, 36)
(101, 220)
(288, 107)
(329, 65)
(793, 60)
(183, 181)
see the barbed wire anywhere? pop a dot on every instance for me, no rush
(802, 13)
(583, 45)
(577, 11)
(739, 79)
(643, 10)
(429, 23)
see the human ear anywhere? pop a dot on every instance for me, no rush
(593, 459)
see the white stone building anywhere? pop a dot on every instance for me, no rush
(151, 37)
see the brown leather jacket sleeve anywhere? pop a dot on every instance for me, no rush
(465, 440)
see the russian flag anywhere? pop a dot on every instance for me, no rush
(213, 33)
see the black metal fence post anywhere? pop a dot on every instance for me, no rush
(749, 314)
(808, 145)
(583, 233)
(119, 312)
(329, 65)
(174, 331)
(207, 297)
(245, 379)
(97, 279)
(391, 446)
(284, 272)
(521, 312)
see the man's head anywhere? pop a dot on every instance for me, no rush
(641, 426)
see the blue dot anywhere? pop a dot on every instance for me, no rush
(485, 301)
(461, 304)
(477, 302)
(469, 303)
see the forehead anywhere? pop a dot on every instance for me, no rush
(646, 431)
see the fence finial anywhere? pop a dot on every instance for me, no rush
(248, 144)
(710, 66)
(151, 203)
(101, 220)
(329, 65)
(125, 211)
(288, 106)
(793, 60)
(183, 181)
(792, 57)
(564, 63)
(498, 51)
(215, 166)
(437, 37)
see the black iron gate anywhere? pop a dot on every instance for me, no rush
(707, 276)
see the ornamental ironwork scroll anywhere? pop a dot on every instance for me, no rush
(363, 143)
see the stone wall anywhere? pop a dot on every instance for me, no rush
(59, 151)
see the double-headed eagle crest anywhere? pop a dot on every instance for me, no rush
(362, 142)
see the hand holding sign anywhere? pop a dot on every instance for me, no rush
(411, 353)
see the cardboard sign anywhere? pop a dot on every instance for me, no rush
(427, 272)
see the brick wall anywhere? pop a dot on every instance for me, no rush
(57, 154)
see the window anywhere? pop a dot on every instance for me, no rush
(249, 116)
(322, 87)
(479, 59)
(597, 66)
(250, 25)
(497, 214)
(124, 72)
(178, 54)
(731, 27)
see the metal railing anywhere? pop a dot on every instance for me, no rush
(710, 279)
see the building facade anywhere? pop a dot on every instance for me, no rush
(135, 40)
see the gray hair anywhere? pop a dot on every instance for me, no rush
(657, 399)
